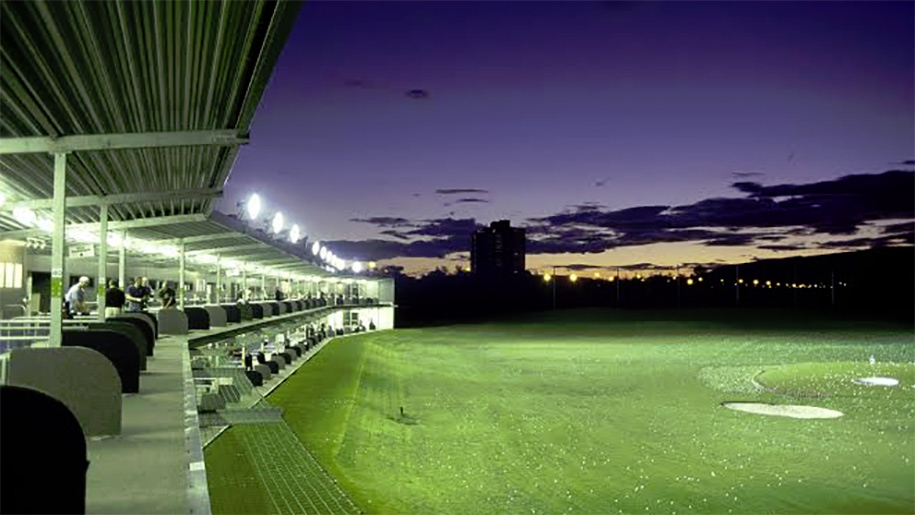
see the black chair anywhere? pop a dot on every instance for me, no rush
(371, 326)
(287, 356)
(116, 346)
(290, 306)
(152, 318)
(148, 332)
(245, 310)
(273, 365)
(131, 331)
(257, 311)
(44, 464)
(233, 315)
(255, 377)
(297, 349)
(276, 308)
(197, 318)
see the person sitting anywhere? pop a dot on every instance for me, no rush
(114, 300)
(76, 297)
(167, 294)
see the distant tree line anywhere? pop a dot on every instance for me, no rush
(877, 283)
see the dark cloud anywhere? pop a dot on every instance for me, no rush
(455, 191)
(744, 175)
(395, 234)
(383, 221)
(765, 215)
(471, 201)
(418, 94)
(907, 162)
(781, 248)
(446, 227)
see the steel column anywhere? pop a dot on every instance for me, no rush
(122, 262)
(101, 280)
(181, 270)
(57, 248)
(218, 282)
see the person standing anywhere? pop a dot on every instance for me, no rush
(137, 295)
(114, 300)
(76, 297)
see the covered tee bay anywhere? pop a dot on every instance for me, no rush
(120, 124)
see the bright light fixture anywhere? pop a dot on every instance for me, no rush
(573, 278)
(689, 282)
(277, 223)
(24, 215)
(357, 267)
(315, 248)
(547, 277)
(323, 253)
(372, 265)
(254, 206)
(294, 233)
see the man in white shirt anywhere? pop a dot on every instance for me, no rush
(76, 297)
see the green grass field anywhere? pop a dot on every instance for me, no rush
(599, 411)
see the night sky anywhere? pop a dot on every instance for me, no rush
(617, 133)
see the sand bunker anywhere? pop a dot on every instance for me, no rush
(877, 381)
(778, 410)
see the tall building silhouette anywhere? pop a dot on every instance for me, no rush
(498, 250)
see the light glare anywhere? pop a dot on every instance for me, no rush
(254, 206)
(277, 223)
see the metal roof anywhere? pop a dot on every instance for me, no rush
(86, 67)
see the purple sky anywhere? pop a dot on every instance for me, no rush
(603, 105)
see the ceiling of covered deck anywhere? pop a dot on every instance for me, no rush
(220, 235)
(86, 67)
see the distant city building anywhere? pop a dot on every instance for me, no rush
(498, 251)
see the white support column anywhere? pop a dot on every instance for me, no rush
(263, 287)
(181, 270)
(101, 280)
(57, 248)
(218, 281)
(244, 283)
(122, 262)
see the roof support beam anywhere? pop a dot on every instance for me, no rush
(154, 221)
(221, 250)
(83, 142)
(120, 198)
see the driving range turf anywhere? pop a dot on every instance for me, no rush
(596, 411)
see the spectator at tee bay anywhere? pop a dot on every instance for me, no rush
(167, 294)
(76, 297)
(137, 295)
(114, 300)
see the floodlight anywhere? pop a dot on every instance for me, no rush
(573, 278)
(547, 277)
(689, 282)
(294, 233)
(597, 275)
(755, 282)
(254, 206)
(357, 267)
(277, 223)
(322, 252)
(315, 248)
(372, 265)
(24, 215)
